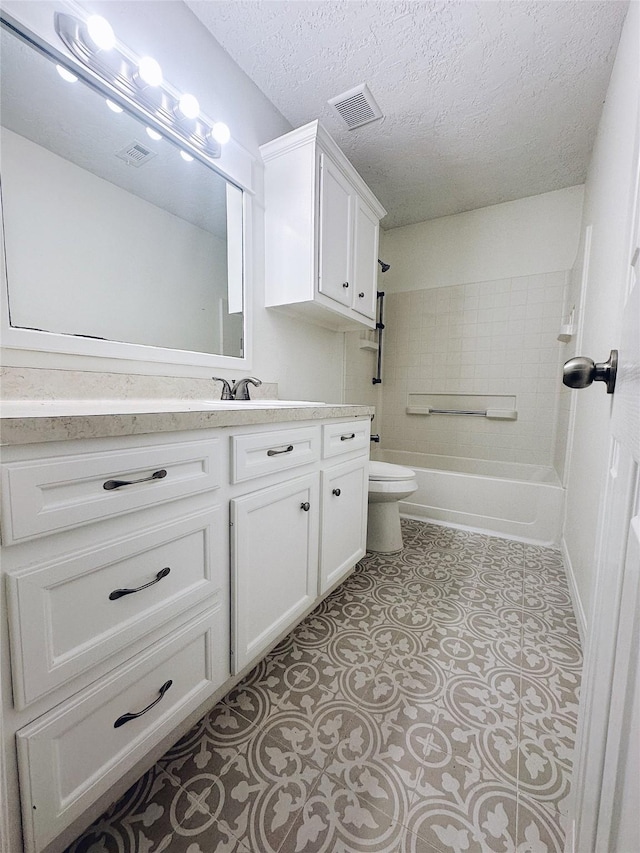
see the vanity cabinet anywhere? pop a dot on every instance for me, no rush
(144, 576)
(116, 570)
(321, 227)
(344, 520)
(274, 552)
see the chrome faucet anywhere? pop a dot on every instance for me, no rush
(240, 389)
(227, 393)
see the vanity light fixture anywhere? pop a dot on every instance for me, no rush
(113, 107)
(66, 74)
(149, 71)
(188, 106)
(100, 32)
(139, 81)
(220, 132)
(154, 134)
(186, 157)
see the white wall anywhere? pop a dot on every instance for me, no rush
(529, 236)
(474, 304)
(305, 360)
(607, 209)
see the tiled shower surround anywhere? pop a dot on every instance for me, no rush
(492, 337)
(427, 706)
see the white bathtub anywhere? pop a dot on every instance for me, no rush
(505, 498)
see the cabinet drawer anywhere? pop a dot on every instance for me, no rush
(69, 615)
(47, 495)
(262, 453)
(345, 438)
(72, 755)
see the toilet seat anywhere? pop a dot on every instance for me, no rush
(384, 471)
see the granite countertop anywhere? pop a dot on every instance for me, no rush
(30, 421)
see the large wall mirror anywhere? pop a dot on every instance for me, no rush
(111, 235)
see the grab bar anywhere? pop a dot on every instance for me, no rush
(493, 414)
(482, 414)
(377, 379)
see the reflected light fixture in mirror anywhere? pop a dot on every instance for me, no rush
(140, 80)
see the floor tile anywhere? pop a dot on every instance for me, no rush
(336, 820)
(429, 704)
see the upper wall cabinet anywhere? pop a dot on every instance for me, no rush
(322, 224)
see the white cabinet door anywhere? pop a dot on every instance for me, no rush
(274, 556)
(336, 212)
(344, 519)
(365, 260)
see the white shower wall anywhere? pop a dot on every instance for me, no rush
(473, 305)
(491, 337)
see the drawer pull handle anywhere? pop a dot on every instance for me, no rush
(118, 593)
(115, 484)
(286, 449)
(306, 506)
(336, 492)
(126, 718)
(345, 284)
(347, 437)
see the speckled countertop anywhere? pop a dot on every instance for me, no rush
(31, 421)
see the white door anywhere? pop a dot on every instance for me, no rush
(606, 789)
(274, 559)
(336, 215)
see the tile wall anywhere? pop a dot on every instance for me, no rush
(492, 337)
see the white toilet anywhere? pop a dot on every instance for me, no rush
(388, 484)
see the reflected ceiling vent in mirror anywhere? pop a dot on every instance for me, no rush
(135, 154)
(356, 107)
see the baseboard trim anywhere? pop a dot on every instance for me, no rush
(578, 607)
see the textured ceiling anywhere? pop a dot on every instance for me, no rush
(483, 102)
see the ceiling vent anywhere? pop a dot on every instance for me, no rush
(135, 154)
(356, 107)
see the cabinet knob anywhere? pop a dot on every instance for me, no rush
(336, 492)
(306, 506)
(361, 294)
(345, 284)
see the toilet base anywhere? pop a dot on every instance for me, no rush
(384, 535)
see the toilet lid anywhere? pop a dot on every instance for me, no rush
(385, 471)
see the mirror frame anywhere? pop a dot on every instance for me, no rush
(31, 348)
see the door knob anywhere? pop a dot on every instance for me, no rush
(580, 372)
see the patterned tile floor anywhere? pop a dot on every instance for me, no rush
(427, 706)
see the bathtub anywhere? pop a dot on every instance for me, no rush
(505, 498)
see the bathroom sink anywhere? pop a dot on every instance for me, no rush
(79, 408)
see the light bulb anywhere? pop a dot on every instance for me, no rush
(220, 132)
(186, 157)
(154, 134)
(100, 32)
(150, 71)
(113, 107)
(66, 74)
(189, 106)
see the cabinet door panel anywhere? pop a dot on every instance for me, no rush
(344, 519)
(365, 260)
(274, 544)
(335, 234)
